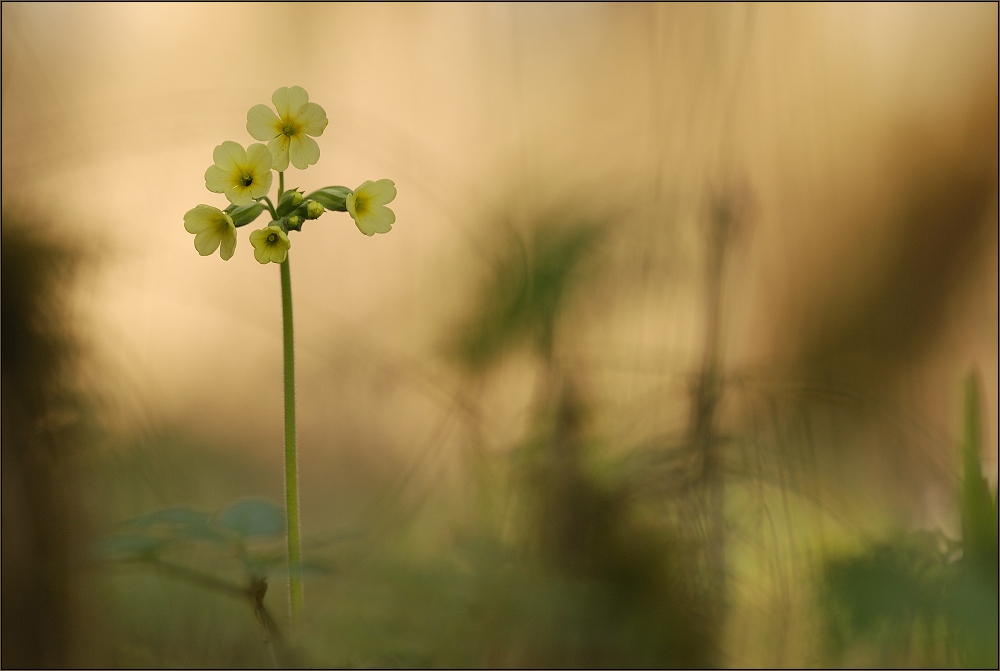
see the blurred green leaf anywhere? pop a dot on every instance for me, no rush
(130, 546)
(892, 595)
(253, 517)
(173, 516)
(529, 286)
(178, 523)
(884, 593)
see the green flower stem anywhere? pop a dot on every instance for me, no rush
(291, 465)
(270, 207)
(281, 184)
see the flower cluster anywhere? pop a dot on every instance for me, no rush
(244, 176)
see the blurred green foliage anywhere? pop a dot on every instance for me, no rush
(923, 599)
(581, 560)
(572, 574)
(530, 284)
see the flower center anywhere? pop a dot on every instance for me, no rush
(288, 131)
(246, 180)
(272, 238)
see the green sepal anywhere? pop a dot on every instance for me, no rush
(290, 200)
(331, 197)
(280, 223)
(245, 214)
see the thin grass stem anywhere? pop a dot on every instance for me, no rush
(291, 457)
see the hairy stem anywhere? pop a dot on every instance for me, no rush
(270, 207)
(291, 465)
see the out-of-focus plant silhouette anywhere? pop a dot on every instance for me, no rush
(667, 429)
(246, 534)
(634, 603)
(46, 420)
(924, 599)
(594, 553)
(530, 284)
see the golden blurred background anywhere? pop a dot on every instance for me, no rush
(755, 249)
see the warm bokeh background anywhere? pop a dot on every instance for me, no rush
(854, 146)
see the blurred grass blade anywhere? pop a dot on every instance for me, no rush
(979, 517)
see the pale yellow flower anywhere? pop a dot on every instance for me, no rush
(270, 245)
(367, 206)
(287, 133)
(212, 229)
(244, 175)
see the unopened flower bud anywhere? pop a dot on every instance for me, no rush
(314, 210)
(289, 200)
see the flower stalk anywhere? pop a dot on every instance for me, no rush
(293, 527)
(244, 177)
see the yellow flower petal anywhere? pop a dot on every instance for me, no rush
(381, 192)
(198, 218)
(262, 184)
(216, 180)
(212, 227)
(262, 124)
(367, 206)
(259, 167)
(361, 220)
(303, 151)
(228, 155)
(207, 242)
(297, 97)
(258, 159)
(228, 246)
(383, 218)
(287, 100)
(239, 195)
(280, 100)
(312, 119)
(279, 153)
(261, 255)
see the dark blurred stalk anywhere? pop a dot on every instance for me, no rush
(41, 420)
(706, 394)
(253, 594)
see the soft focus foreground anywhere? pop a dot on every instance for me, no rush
(666, 361)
